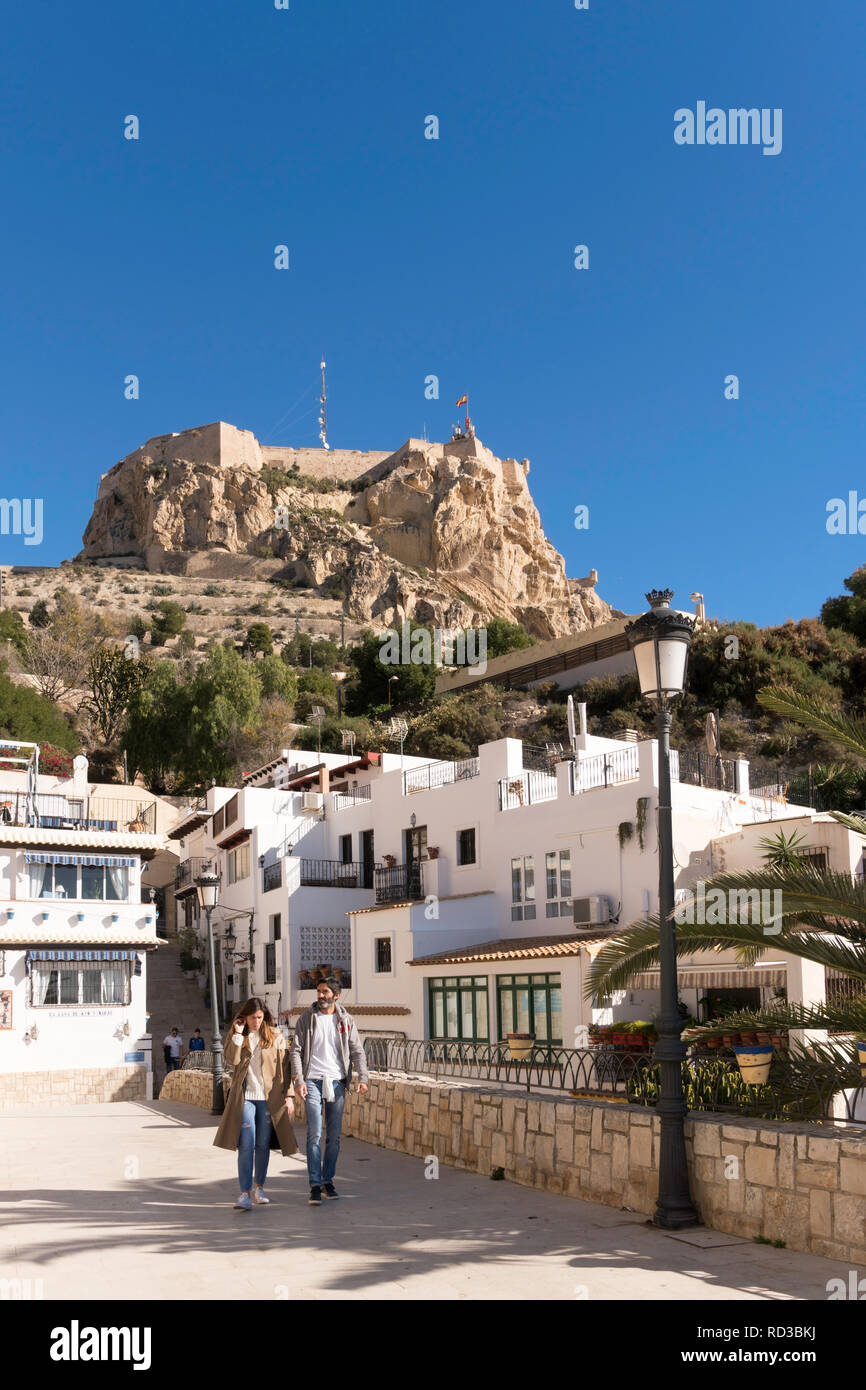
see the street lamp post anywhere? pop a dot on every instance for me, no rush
(208, 888)
(391, 679)
(660, 643)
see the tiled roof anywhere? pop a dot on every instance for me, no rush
(378, 1009)
(512, 948)
(32, 936)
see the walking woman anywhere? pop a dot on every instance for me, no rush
(260, 1104)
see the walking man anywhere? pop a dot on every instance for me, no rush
(325, 1049)
(173, 1047)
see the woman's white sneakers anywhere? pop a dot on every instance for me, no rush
(243, 1203)
(260, 1199)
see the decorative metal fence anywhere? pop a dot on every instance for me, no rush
(335, 873)
(54, 812)
(355, 797)
(396, 883)
(439, 774)
(701, 769)
(796, 1090)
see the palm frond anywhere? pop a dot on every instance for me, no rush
(817, 716)
(855, 823)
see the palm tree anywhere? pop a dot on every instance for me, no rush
(823, 917)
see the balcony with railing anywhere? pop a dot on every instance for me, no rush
(335, 873)
(606, 769)
(397, 883)
(439, 774)
(700, 769)
(56, 812)
(188, 871)
(526, 788)
(356, 797)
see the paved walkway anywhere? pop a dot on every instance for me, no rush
(133, 1201)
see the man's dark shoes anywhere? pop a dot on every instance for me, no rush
(315, 1196)
(331, 1191)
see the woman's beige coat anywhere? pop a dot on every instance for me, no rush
(277, 1080)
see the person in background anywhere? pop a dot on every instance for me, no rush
(173, 1049)
(196, 1042)
(327, 1044)
(260, 1104)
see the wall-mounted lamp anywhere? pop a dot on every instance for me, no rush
(32, 1035)
(10, 913)
(126, 1028)
(115, 916)
(80, 916)
(261, 861)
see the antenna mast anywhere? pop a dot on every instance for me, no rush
(323, 417)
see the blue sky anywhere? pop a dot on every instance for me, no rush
(453, 257)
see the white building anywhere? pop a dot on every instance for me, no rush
(466, 899)
(74, 933)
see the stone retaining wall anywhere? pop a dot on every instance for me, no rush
(794, 1183)
(80, 1086)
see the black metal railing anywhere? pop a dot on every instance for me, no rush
(397, 883)
(355, 797)
(55, 812)
(700, 769)
(334, 873)
(187, 872)
(538, 759)
(797, 1090)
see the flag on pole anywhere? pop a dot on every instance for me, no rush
(462, 401)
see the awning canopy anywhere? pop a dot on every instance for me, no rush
(84, 954)
(110, 861)
(730, 978)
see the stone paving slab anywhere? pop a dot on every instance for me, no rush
(132, 1200)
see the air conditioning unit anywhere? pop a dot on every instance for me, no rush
(591, 912)
(311, 801)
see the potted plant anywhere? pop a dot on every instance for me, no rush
(137, 824)
(520, 1045)
(516, 788)
(432, 851)
(390, 860)
(754, 1060)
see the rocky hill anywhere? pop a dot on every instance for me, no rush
(442, 533)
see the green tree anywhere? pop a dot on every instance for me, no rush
(297, 652)
(112, 679)
(58, 655)
(224, 697)
(367, 686)
(157, 728)
(12, 629)
(40, 615)
(503, 637)
(30, 717)
(168, 620)
(315, 687)
(259, 638)
(848, 611)
(277, 679)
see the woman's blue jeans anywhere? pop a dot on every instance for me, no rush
(254, 1140)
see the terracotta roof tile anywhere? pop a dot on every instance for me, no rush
(514, 948)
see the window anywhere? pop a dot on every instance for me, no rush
(218, 823)
(557, 873)
(79, 982)
(85, 882)
(272, 877)
(238, 862)
(382, 951)
(531, 1004)
(345, 849)
(522, 890)
(466, 846)
(231, 810)
(276, 927)
(458, 1008)
(270, 963)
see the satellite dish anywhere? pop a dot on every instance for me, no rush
(713, 741)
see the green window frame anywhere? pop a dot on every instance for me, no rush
(530, 1004)
(459, 1008)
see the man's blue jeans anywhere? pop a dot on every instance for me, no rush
(319, 1173)
(254, 1138)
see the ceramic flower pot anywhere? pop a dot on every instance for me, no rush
(754, 1061)
(520, 1046)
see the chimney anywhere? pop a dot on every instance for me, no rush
(324, 778)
